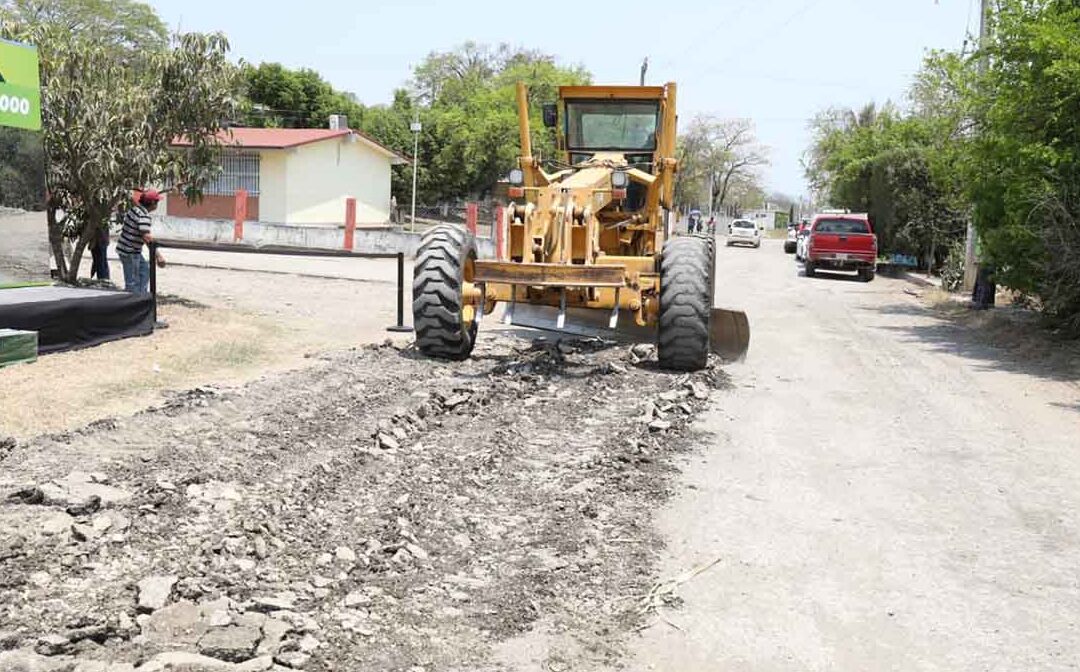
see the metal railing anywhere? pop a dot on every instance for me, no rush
(286, 251)
(428, 216)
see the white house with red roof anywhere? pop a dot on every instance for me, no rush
(296, 176)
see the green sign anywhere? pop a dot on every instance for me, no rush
(20, 86)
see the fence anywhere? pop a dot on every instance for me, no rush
(157, 244)
(487, 215)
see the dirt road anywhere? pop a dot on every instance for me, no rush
(883, 491)
(24, 246)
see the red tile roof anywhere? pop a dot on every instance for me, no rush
(284, 138)
(270, 138)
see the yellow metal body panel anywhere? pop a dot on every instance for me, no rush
(574, 237)
(550, 275)
(611, 92)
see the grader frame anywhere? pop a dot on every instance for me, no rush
(571, 242)
(592, 236)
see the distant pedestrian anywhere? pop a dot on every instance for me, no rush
(133, 235)
(712, 225)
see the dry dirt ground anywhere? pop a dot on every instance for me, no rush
(24, 246)
(225, 328)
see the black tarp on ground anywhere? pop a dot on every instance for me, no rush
(69, 317)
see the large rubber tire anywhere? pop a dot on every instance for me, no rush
(438, 279)
(866, 274)
(686, 275)
(808, 269)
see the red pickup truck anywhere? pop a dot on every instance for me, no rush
(842, 243)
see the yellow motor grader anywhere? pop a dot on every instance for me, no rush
(589, 242)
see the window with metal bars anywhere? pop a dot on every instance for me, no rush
(239, 170)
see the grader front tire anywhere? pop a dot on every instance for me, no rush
(685, 303)
(443, 266)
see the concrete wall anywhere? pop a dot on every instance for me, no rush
(322, 175)
(273, 176)
(210, 207)
(766, 218)
(259, 234)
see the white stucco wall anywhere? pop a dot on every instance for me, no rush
(321, 175)
(273, 178)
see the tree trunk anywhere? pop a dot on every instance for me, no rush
(88, 234)
(56, 241)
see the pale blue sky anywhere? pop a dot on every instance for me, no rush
(776, 62)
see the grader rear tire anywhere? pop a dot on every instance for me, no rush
(686, 273)
(443, 265)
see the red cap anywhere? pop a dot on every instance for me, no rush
(151, 195)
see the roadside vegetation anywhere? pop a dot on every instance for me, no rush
(992, 134)
(116, 91)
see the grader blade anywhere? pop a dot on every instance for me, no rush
(581, 322)
(729, 333)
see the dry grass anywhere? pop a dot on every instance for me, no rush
(202, 346)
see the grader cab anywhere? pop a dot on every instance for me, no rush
(589, 245)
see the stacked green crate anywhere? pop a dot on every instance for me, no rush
(17, 346)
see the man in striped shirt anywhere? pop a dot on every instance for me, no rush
(135, 233)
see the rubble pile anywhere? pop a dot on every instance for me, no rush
(375, 511)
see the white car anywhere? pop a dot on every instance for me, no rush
(801, 241)
(744, 232)
(792, 239)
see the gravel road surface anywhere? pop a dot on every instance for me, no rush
(883, 491)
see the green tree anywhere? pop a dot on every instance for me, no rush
(126, 25)
(464, 99)
(895, 167)
(723, 154)
(110, 114)
(281, 98)
(1024, 159)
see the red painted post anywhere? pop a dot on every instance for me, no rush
(472, 213)
(500, 231)
(350, 222)
(239, 214)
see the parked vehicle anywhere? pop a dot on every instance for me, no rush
(842, 243)
(792, 242)
(801, 236)
(743, 232)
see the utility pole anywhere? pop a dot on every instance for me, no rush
(971, 266)
(712, 177)
(415, 128)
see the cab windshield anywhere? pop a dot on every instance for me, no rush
(607, 125)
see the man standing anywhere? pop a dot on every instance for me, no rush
(136, 232)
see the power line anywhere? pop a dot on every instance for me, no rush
(709, 30)
(806, 6)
